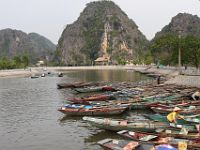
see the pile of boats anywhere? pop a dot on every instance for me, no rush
(151, 130)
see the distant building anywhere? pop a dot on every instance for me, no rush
(40, 63)
(102, 61)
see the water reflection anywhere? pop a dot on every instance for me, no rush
(100, 135)
(66, 118)
(106, 75)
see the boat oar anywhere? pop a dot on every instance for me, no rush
(192, 116)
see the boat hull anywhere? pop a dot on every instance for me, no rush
(93, 111)
(169, 110)
(113, 144)
(115, 125)
(157, 139)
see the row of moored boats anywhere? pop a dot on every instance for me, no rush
(152, 130)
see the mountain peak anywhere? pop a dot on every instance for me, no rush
(16, 42)
(188, 24)
(81, 42)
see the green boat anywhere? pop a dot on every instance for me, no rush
(192, 119)
(118, 125)
(180, 122)
(162, 97)
(162, 118)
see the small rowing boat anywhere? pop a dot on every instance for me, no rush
(88, 110)
(114, 144)
(117, 125)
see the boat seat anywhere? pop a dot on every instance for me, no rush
(123, 122)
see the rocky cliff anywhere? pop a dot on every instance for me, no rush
(102, 30)
(15, 42)
(42, 45)
(183, 24)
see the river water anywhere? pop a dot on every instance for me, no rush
(29, 119)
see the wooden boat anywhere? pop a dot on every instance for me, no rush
(177, 134)
(34, 77)
(164, 104)
(117, 125)
(88, 110)
(162, 97)
(163, 118)
(76, 85)
(68, 85)
(156, 139)
(183, 111)
(139, 136)
(111, 103)
(84, 100)
(194, 119)
(172, 104)
(43, 75)
(94, 89)
(113, 144)
(60, 74)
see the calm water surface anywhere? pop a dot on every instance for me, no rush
(29, 119)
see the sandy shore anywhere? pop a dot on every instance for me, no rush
(17, 73)
(171, 73)
(39, 70)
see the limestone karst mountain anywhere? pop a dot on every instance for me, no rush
(184, 24)
(16, 42)
(103, 32)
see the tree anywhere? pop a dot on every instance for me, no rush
(25, 61)
(148, 59)
(191, 51)
(6, 63)
(18, 61)
(165, 49)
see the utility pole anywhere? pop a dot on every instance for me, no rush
(47, 59)
(179, 52)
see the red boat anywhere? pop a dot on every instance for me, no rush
(114, 144)
(85, 100)
(76, 85)
(157, 139)
(93, 110)
(173, 104)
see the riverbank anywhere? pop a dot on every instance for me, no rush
(39, 70)
(190, 77)
(13, 73)
(170, 73)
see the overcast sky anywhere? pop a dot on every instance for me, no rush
(49, 17)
